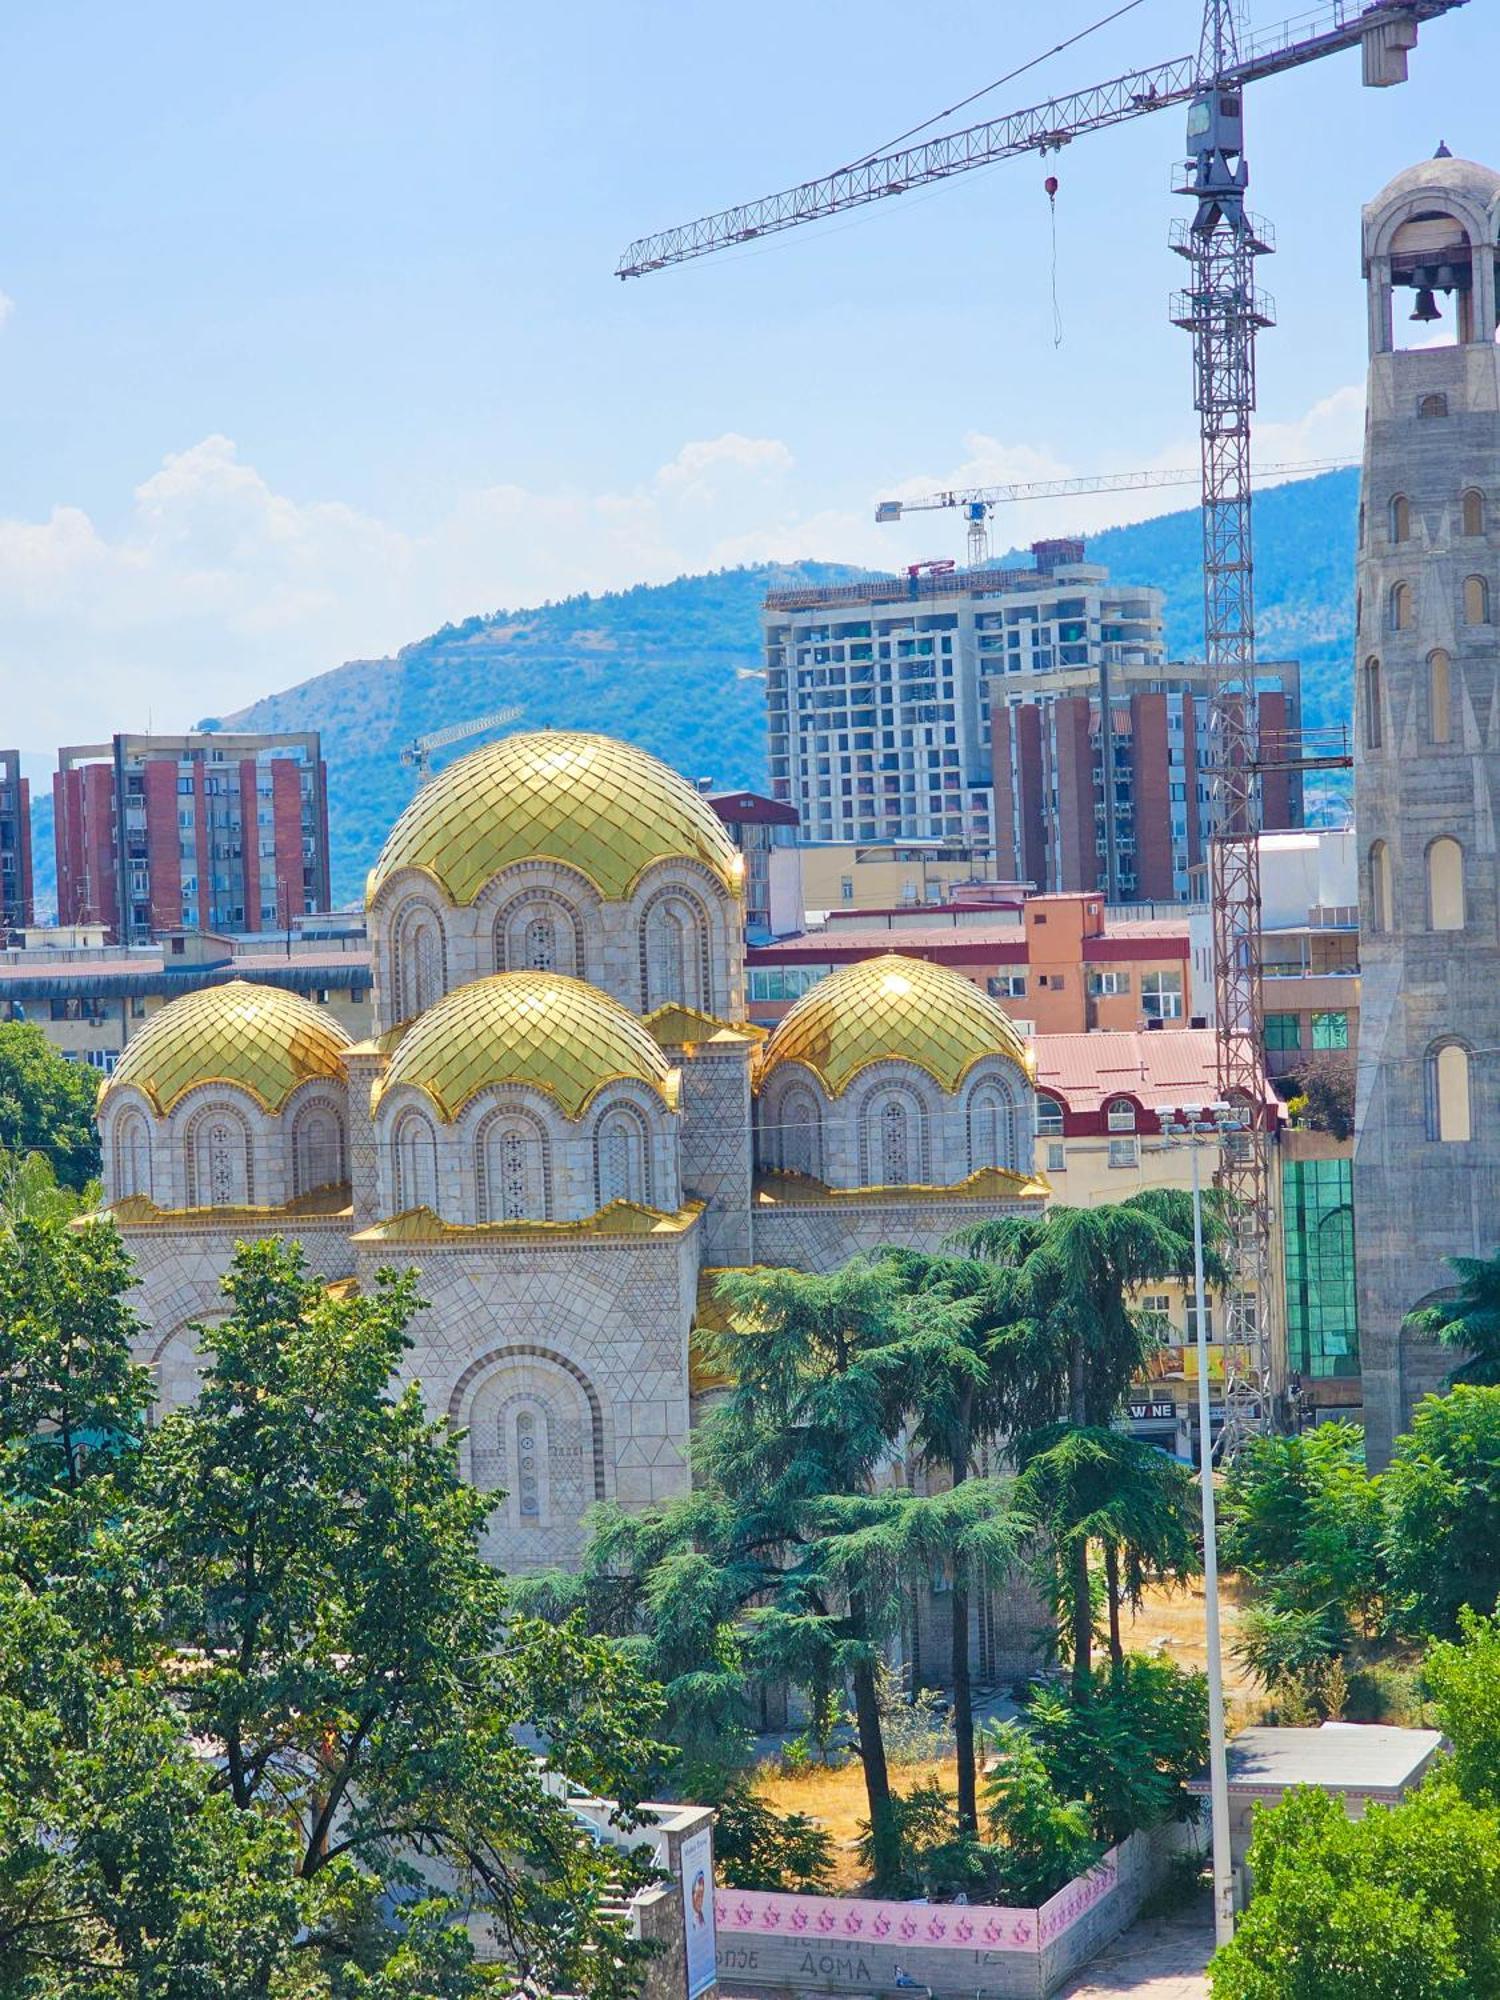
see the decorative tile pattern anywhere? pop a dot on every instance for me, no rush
(892, 1009)
(601, 807)
(260, 1038)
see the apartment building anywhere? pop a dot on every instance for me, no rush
(16, 892)
(765, 832)
(873, 690)
(215, 832)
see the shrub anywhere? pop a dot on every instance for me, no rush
(756, 1848)
(1129, 1752)
(1442, 1506)
(1043, 1840)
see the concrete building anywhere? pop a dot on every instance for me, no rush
(17, 899)
(1058, 964)
(765, 832)
(874, 690)
(216, 832)
(846, 875)
(1427, 769)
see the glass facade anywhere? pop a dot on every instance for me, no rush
(1330, 1031)
(1318, 1210)
(1283, 1033)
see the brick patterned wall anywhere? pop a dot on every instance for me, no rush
(164, 855)
(286, 808)
(1153, 809)
(250, 843)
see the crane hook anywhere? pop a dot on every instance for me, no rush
(1050, 184)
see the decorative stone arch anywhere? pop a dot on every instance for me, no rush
(218, 1153)
(676, 948)
(512, 1165)
(1432, 224)
(132, 1143)
(622, 1153)
(1448, 1075)
(1446, 902)
(1401, 607)
(494, 1389)
(175, 1363)
(1476, 600)
(1382, 906)
(994, 1111)
(412, 1143)
(318, 1144)
(1439, 697)
(1472, 514)
(895, 1147)
(1400, 518)
(539, 930)
(792, 1127)
(418, 955)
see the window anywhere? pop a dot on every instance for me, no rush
(317, 1149)
(1192, 1318)
(1283, 1033)
(846, 888)
(1380, 885)
(1476, 601)
(1439, 724)
(531, 1466)
(1155, 1310)
(1372, 704)
(1120, 1115)
(1449, 1108)
(1007, 986)
(620, 1171)
(1473, 511)
(218, 1161)
(1445, 885)
(1435, 405)
(1400, 518)
(514, 1184)
(1330, 1031)
(1161, 996)
(1049, 1117)
(414, 1151)
(798, 1142)
(1056, 1157)
(1401, 608)
(1105, 985)
(1122, 1153)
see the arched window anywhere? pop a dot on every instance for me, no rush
(892, 1140)
(675, 953)
(1433, 405)
(1449, 1104)
(1445, 885)
(1049, 1117)
(1401, 607)
(218, 1161)
(539, 933)
(1439, 707)
(1476, 601)
(992, 1133)
(414, 1145)
(514, 1184)
(1473, 511)
(1120, 1115)
(317, 1149)
(1380, 885)
(1400, 518)
(798, 1143)
(418, 961)
(531, 1451)
(132, 1156)
(1372, 704)
(621, 1171)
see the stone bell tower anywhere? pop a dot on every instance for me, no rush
(1427, 769)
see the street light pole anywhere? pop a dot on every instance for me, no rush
(1193, 1130)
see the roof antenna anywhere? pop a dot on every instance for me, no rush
(1442, 152)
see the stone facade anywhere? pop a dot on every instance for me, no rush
(1427, 771)
(562, 1122)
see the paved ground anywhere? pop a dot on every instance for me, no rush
(1156, 1959)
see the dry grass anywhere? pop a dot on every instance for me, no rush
(1170, 1625)
(836, 1800)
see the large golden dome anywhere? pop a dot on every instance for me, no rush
(599, 806)
(561, 1035)
(261, 1038)
(892, 1009)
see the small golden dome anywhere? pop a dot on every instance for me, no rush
(602, 807)
(260, 1038)
(892, 1009)
(561, 1035)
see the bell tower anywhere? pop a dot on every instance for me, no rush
(1427, 769)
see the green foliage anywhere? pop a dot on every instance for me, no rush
(1129, 1750)
(1442, 1507)
(288, 1575)
(756, 1848)
(1403, 1904)
(1468, 1321)
(1464, 1681)
(1044, 1839)
(47, 1104)
(29, 1187)
(915, 1724)
(1325, 1102)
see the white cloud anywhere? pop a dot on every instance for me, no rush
(7, 307)
(217, 588)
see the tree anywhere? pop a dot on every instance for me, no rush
(1468, 1321)
(1130, 1749)
(47, 1104)
(1325, 1086)
(1044, 1840)
(1442, 1510)
(297, 1714)
(1464, 1681)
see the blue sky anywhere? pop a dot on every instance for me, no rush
(312, 340)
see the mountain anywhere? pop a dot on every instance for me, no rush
(673, 667)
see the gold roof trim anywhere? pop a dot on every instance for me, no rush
(586, 802)
(784, 1190)
(140, 1211)
(616, 1218)
(259, 1039)
(559, 1035)
(675, 1026)
(893, 1009)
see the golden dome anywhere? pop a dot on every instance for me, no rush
(260, 1038)
(596, 805)
(561, 1035)
(892, 1009)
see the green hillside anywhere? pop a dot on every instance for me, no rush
(672, 666)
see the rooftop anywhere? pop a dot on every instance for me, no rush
(1162, 1069)
(1374, 1760)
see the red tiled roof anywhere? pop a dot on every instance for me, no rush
(1165, 1068)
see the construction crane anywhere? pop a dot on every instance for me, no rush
(1223, 311)
(417, 755)
(978, 503)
